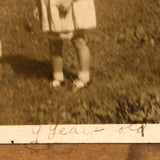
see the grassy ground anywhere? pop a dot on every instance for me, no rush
(125, 67)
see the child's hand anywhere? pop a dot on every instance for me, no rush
(64, 6)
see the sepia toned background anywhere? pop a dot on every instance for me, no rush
(125, 67)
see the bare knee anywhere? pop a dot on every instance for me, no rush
(79, 43)
(78, 40)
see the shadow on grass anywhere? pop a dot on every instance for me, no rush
(28, 67)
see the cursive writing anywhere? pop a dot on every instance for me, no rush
(134, 128)
(36, 132)
(53, 130)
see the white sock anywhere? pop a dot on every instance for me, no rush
(58, 76)
(84, 76)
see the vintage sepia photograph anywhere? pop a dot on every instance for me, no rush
(79, 62)
(94, 64)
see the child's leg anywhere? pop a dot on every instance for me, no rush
(83, 54)
(57, 61)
